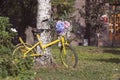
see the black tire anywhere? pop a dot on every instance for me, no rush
(70, 59)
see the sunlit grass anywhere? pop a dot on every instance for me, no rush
(94, 64)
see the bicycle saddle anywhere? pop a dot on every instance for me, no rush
(35, 30)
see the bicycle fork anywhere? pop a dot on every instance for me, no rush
(63, 44)
(64, 51)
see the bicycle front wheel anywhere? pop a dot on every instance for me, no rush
(70, 58)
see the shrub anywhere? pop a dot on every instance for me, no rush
(6, 34)
(7, 67)
(5, 47)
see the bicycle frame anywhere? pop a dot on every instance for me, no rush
(39, 43)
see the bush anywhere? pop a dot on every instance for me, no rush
(5, 47)
(5, 34)
(7, 67)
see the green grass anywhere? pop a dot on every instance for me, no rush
(94, 64)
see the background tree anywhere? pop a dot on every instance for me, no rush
(22, 14)
(94, 10)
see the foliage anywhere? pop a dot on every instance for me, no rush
(5, 37)
(7, 67)
(21, 71)
(94, 9)
(24, 69)
(112, 1)
(5, 47)
(22, 13)
(23, 9)
(62, 8)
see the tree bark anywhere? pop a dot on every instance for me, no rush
(44, 13)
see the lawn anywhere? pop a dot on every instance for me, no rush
(94, 64)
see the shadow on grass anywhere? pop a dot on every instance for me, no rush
(111, 60)
(112, 51)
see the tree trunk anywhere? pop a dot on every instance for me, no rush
(43, 13)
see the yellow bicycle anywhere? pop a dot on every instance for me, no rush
(68, 56)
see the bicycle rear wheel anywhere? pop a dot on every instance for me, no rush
(70, 58)
(18, 53)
